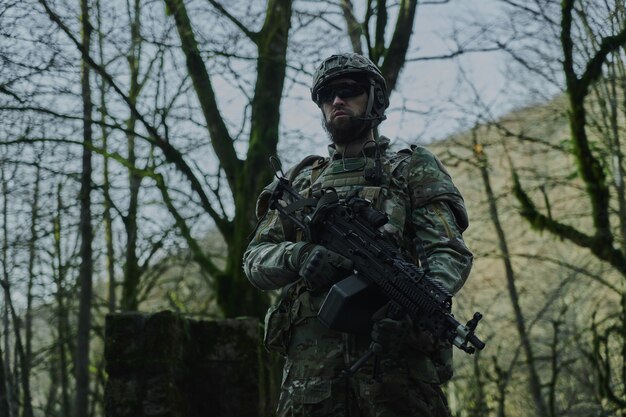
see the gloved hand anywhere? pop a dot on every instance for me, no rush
(388, 335)
(318, 266)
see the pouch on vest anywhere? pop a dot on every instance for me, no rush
(277, 334)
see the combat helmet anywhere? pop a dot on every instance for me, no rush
(350, 64)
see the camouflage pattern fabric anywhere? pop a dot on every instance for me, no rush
(421, 201)
(313, 384)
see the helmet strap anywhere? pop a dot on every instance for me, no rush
(370, 99)
(374, 175)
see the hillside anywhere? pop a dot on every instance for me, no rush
(561, 289)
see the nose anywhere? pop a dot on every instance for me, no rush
(338, 101)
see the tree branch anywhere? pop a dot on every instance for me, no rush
(8, 92)
(608, 45)
(379, 50)
(575, 269)
(265, 105)
(600, 247)
(354, 27)
(171, 154)
(567, 43)
(55, 114)
(395, 55)
(220, 138)
(453, 54)
(590, 168)
(199, 256)
(254, 36)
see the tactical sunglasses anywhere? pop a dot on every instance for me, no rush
(328, 93)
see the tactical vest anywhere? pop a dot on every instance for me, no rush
(312, 175)
(347, 177)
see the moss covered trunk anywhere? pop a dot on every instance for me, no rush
(245, 178)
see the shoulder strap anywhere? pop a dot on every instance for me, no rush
(289, 229)
(318, 168)
(310, 160)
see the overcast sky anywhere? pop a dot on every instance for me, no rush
(436, 93)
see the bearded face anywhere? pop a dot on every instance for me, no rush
(344, 102)
(344, 132)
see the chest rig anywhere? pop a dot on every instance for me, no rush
(351, 177)
(348, 177)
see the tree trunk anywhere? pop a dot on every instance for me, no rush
(132, 271)
(352, 24)
(62, 310)
(6, 357)
(534, 381)
(106, 184)
(4, 397)
(51, 397)
(21, 374)
(81, 399)
(246, 179)
(26, 366)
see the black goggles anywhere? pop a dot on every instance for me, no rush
(328, 93)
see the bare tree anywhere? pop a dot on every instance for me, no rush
(535, 384)
(60, 273)
(9, 388)
(132, 269)
(81, 398)
(106, 183)
(4, 398)
(591, 171)
(581, 54)
(32, 251)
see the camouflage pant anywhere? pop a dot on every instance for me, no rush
(314, 387)
(360, 396)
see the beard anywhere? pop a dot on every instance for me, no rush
(346, 131)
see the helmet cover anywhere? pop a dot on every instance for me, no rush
(353, 65)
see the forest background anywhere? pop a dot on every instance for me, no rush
(135, 135)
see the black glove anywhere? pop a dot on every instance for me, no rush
(319, 267)
(388, 335)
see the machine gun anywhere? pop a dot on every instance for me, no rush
(351, 228)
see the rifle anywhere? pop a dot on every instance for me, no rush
(350, 227)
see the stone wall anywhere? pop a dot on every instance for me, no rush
(168, 365)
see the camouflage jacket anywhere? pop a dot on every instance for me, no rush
(420, 200)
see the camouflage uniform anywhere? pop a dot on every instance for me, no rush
(421, 201)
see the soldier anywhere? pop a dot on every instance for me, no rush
(416, 192)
